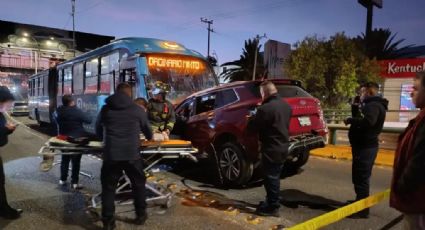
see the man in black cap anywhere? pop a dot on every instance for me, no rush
(363, 136)
(120, 122)
(6, 99)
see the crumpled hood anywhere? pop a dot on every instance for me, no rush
(378, 99)
(119, 101)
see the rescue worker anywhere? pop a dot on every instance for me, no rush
(271, 122)
(119, 123)
(6, 99)
(363, 136)
(160, 111)
(70, 121)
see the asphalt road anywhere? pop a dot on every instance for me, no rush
(323, 185)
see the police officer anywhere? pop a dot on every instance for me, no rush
(6, 99)
(161, 111)
(120, 122)
(271, 122)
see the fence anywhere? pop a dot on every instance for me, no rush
(336, 116)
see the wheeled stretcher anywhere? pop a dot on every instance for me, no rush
(152, 153)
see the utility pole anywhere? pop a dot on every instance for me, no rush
(73, 25)
(257, 42)
(209, 22)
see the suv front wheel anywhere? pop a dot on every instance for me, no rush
(235, 168)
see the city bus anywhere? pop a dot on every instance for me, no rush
(141, 62)
(42, 95)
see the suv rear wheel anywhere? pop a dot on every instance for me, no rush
(234, 166)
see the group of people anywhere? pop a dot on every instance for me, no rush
(122, 120)
(369, 108)
(120, 123)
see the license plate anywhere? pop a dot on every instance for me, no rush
(304, 121)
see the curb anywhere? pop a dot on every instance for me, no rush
(385, 157)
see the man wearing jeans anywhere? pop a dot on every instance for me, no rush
(363, 136)
(119, 123)
(271, 122)
(70, 120)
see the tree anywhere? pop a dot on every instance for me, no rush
(382, 45)
(332, 69)
(241, 70)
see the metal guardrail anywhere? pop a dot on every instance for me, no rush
(337, 116)
(335, 127)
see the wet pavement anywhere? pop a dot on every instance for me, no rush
(323, 185)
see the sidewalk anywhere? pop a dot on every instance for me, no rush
(385, 157)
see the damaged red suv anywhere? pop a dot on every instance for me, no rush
(215, 121)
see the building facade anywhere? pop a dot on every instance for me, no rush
(27, 49)
(398, 78)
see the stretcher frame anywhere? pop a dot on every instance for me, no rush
(155, 153)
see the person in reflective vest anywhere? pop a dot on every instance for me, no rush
(160, 111)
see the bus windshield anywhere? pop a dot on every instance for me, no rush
(184, 75)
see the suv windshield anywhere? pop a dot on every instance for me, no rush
(185, 76)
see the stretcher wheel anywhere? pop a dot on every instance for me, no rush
(167, 205)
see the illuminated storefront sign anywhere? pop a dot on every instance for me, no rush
(175, 63)
(402, 68)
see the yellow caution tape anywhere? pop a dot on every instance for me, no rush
(341, 213)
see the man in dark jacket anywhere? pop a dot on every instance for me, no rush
(120, 122)
(363, 136)
(271, 122)
(408, 183)
(70, 121)
(6, 99)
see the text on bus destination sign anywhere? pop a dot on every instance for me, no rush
(174, 63)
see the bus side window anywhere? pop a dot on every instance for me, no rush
(109, 64)
(91, 76)
(60, 82)
(67, 80)
(78, 78)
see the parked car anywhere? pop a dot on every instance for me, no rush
(215, 121)
(19, 108)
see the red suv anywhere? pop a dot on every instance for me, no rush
(215, 121)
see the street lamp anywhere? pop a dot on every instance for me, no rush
(257, 42)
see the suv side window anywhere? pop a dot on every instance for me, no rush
(187, 109)
(225, 97)
(205, 103)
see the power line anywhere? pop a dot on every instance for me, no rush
(95, 4)
(67, 22)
